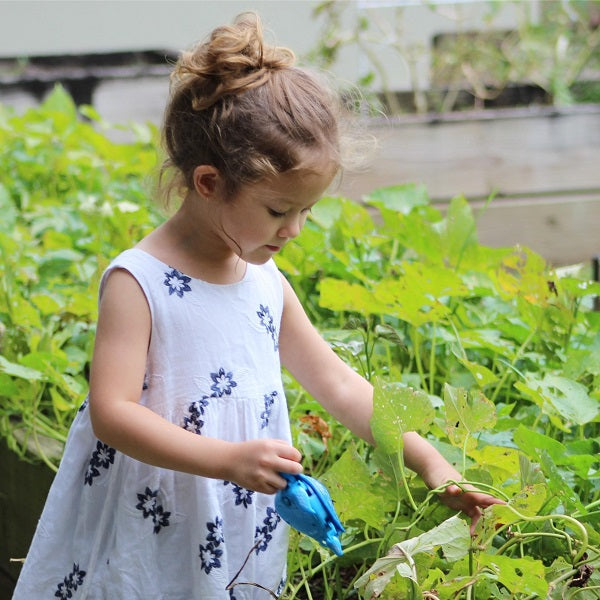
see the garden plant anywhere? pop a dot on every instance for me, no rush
(490, 353)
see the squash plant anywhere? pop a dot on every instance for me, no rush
(488, 352)
(70, 200)
(492, 355)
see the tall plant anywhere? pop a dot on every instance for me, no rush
(70, 199)
(490, 354)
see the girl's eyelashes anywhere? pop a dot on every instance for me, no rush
(279, 214)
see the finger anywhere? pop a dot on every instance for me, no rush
(453, 490)
(291, 453)
(474, 520)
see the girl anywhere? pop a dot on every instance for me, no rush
(169, 472)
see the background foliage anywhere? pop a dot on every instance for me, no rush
(69, 199)
(488, 352)
(551, 55)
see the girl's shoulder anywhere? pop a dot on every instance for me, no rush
(136, 262)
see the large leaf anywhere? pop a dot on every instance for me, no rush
(399, 198)
(340, 295)
(20, 371)
(461, 231)
(563, 396)
(519, 575)
(452, 536)
(398, 409)
(467, 413)
(356, 493)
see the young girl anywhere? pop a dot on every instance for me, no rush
(169, 473)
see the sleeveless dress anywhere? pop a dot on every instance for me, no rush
(114, 528)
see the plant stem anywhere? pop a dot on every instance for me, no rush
(416, 340)
(507, 371)
(432, 361)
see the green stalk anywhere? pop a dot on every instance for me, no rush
(507, 371)
(574, 523)
(415, 336)
(432, 361)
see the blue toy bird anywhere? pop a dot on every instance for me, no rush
(306, 505)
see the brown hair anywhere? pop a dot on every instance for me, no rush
(242, 106)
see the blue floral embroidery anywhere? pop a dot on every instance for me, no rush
(222, 382)
(70, 583)
(83, 405)
(211, 553)
(272, 519)
(193, 422)
(148, 504)
(215, 531)
(177, 283)
(262, 535)
(280, 588)
(267, 321)
(242, 495)
(269, 401)
(209, 557)
(102, 457)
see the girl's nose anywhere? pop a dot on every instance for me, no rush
(292, 227)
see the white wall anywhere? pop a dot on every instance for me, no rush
(44, 27)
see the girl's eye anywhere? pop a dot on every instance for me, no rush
(275, 213)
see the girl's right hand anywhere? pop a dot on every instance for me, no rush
(257, 464)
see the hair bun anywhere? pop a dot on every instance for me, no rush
(234, 59)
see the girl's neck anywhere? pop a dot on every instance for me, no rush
(187, 242)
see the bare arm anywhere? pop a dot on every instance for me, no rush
(118, 419)
(348, 397)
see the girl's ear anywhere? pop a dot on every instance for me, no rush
(207, 181)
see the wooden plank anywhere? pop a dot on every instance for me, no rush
(534, 152)
(563, 229)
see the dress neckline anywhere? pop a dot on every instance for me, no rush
(168, 267)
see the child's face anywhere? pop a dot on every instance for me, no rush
(265, 215)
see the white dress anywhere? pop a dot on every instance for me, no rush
(114, 528)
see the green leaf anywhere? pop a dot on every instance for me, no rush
(452, 536)
(531, 442)
(519, 575)
(482, 375)
(340, 295)
(467, 413)
(356, 493)
(398, 409)
(399, 198)
(326, 212)
(461, 231)
(419, 295)
(59, 101)
(556, 394)
(16, 370)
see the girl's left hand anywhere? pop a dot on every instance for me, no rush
(471, 502)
